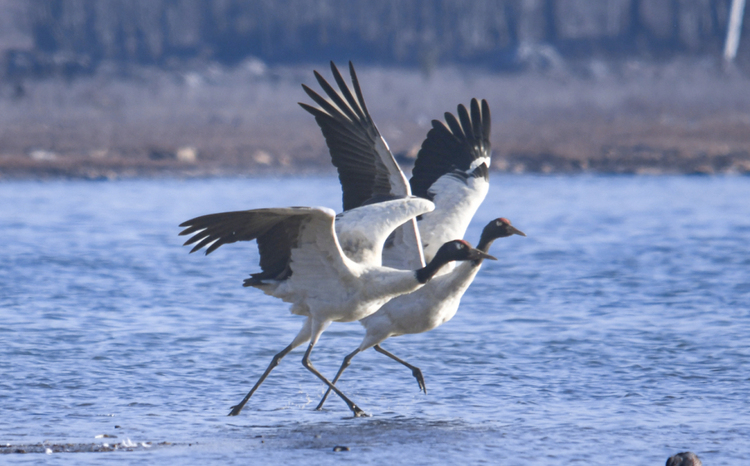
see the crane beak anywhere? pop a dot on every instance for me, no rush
(477, 254)
(515, 231)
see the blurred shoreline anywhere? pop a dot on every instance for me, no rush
(687, 116)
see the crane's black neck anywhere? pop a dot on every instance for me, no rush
(427, 272)
(484, 244)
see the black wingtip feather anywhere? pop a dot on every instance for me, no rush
(314, 111)
(350, 135)
(454, 126)
(463, 116)
(476, 120)
(313, 95)
(191, 240)
(486, 120)
(353, 104)
(334, 69)
(190, 230)
(453, 145)
(343, 108)
(358, 91)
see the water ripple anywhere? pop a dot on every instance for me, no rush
(616, 330)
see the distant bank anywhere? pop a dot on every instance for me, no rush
(589, 116)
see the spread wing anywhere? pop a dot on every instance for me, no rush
(362, 232)
(364, 161)
(367, 169)
(279, 232)
(463, 144)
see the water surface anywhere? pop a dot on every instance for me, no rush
(615, 333)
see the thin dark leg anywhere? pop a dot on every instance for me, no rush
(274, 362)
(308, 365)
(415, 371)
(344, 365)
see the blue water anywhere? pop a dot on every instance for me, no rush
(617, 332)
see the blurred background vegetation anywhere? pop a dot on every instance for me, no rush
(68, 37)
(110, 88)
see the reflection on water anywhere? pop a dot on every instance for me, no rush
(616, 330)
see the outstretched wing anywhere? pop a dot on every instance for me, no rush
(278, 231)
(367, 169)
(365, 164)
(362, 232)
(463, 144)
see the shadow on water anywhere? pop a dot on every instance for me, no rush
(345, 434)
(360, 433)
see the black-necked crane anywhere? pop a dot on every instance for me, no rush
(427, 308)
(452, 169)
(303, 263)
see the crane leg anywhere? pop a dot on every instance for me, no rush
(344, 365)
(302, 336)
(274, 362)
(415, 371)
(308, 365)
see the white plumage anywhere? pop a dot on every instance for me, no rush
(426, 308)
(303, 263)
(456, 201)
(452, 169)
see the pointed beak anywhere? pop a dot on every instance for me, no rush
(516, 231)
(477, 254)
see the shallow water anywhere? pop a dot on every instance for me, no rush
(617, 332)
